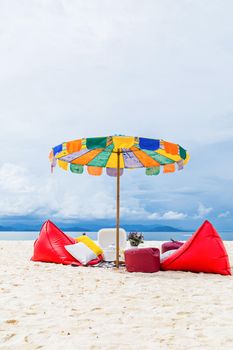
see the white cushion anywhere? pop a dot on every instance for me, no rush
(81, 252)
(167, 254)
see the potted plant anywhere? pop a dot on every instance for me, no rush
(135, 238)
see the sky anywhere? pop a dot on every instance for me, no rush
(160, 69)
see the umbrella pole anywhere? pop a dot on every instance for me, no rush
(118, 210)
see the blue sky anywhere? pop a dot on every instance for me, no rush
(162, 69)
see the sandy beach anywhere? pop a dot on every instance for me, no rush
(49, 306)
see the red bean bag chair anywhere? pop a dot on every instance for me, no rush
(142, 260)
(49, 247)
(171, 246)
(203, 252)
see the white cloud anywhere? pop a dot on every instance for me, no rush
(173, 215)
(169, 215)
(154, 216)
(14, 179)
(84, 67)
(97, 205)
(19, 193)
(65, 195)
(61, 195)
(202, 211)
(133, 213)
(224, 215)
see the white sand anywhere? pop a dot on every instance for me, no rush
(49, 306)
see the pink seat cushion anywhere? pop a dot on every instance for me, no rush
(171, 246)
(142, 260)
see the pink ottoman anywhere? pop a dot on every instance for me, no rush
(142, 260)
(171, 246)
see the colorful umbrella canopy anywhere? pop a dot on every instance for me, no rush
(116, 153)
(135, 152)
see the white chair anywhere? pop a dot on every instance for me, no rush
(107, 241)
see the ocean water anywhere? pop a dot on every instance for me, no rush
(148, 236)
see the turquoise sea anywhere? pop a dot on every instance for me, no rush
(148, 236)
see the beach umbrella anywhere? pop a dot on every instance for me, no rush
(116, 153)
